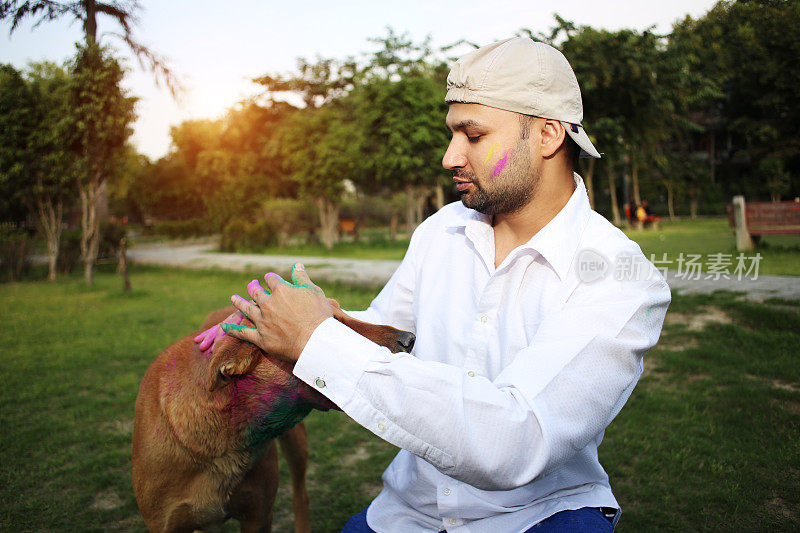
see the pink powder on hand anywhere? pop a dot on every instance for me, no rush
(254, 286)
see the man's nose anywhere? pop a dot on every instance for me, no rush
(453, 157)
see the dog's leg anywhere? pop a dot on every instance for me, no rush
(251, 503)
(294, 447)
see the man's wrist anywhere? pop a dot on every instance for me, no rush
(302, 339)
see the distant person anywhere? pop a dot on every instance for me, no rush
(645, 215)
(520, 361)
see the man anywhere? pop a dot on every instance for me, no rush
(530, 335)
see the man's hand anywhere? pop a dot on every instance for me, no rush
(285, 314)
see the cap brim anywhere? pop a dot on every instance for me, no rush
(582, 140)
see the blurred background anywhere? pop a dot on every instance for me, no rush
(274, 124)
(273, 130)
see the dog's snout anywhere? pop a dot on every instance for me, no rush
(406, 340)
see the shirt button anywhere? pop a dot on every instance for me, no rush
(446, 492)
(381, 426)
(484, 319)
(471, 374)
(319, 382)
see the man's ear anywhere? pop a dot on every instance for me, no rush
(552, 136)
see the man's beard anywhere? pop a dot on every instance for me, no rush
(508, 192)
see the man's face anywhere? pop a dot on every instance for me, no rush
(493, 166)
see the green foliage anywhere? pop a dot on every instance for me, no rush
(181, 229)
(69, 253)
(36, 165)
(404, 137)
(243, 235)
(14, 249)
(111, 233)
(745, 52)
(372, 211)
(290, 218)
(103, 114)
(17, 119)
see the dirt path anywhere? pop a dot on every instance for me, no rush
(377, 272)
(202, 256)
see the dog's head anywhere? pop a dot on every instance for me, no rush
(245, 368)
(259, 392)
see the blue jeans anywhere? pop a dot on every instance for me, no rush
(584, 520)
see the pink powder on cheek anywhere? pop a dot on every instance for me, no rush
(501, 163)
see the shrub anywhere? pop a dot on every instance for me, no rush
(69, 252)
(181, 229)
(241, 235)
(110, 235)
(289, 218)
(15, 247)
(369, 211)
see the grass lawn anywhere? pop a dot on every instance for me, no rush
(710, 440)
(780, 254)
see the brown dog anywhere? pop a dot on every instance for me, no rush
(205, 427)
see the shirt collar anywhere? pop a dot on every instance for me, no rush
(557, 241)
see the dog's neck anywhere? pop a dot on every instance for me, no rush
(260, 410)
(263, 402)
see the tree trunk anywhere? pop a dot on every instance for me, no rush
(693, 202)
(90, 227)
(49, 222)
(122, 267)
(670, 201)
(712, 156)
(328, 221)
(439, 196)
(90, 22)
(393, 225)
(587, 181)
(410, 195)
(419, 207)
(635, 179)
(613, 192)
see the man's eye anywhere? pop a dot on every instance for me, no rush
(475, 139)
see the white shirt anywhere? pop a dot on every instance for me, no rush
(515, 374)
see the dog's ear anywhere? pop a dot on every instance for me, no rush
(232, 358)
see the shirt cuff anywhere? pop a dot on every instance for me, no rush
(334, 360)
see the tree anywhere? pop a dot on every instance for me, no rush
(626, 96)
(320, 148)
(103, 115)
(747, 51)
(400, 102)
(404, 137)
(36, 161)
(87, 11)
(317, 83)
(17, 119)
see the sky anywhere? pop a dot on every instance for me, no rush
(216, 48)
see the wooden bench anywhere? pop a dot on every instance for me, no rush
(752, 220)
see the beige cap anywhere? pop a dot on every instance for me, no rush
(523, 76)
